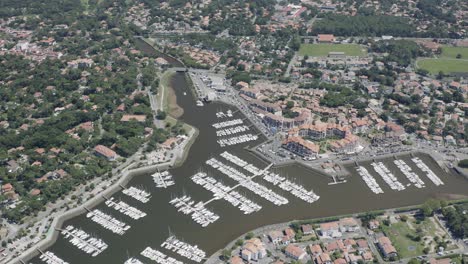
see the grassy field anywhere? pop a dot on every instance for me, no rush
(398, 234)
(445, 65)
(452, 52)
(401, 234)
(319, 50)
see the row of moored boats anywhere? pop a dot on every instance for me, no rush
(387, 176)
(159, 257)
(429, 173)
(237, 140)
(369, 180)
(125, 209)
(84, 241)
(221, 114)
(108, 222)
(221, 191)
(295, 189)
(392, 180)
(163, 179)
(138, 194)
(247, 182)
(228, 123)
(197, 211)
(184, 249)
(231, 130)
(408, 172)
(50, 258)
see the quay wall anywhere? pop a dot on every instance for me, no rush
(57, 223)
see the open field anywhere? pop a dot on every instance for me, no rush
(452, 52)
(445, 65)
(319, 50)
(411, 237)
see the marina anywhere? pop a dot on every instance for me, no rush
(429, 173)
(352, 197)
(84, 241)
(184, 249)
(286, 185)
(222, 191)
(163, 179)
(125, 209)
(387, 176)
(369, 180)
(197, 211)
(247, 182)
(50, 258)
(108, 222)
(408, 172)
(159, 257)
(138, 194)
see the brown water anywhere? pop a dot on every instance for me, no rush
(351, 197)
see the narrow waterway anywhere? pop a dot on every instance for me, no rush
(162, 219)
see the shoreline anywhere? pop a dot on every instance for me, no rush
(58, 221)
(126, 176)
(215, 257)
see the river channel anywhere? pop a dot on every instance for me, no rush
(163, 219)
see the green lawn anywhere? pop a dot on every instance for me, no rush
(445, 65)
(320, 50)
(398, 234)
(452, 52)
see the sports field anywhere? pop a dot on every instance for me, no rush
(452, 52)
(434, 66)
(320, 50)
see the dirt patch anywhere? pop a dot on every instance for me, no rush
(174, 109)
(450, 196)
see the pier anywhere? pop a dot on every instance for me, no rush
(184, 249)
(84, 241)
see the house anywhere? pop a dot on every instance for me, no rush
(307, 229)
(323, 259)
(12, 166)
(386, 247)
(289, 234)
(315, 249)
(35, 192)
(348, 224)
(253, 249)
(362, 244)
(340, 261)
(275, 236)
(373, 224)
(367, 256)
(236, 260)
(440, 261)
(105, 152)
(295, 252)
(353, 259)
(330, 229)
(336, 245)
(7, 188)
